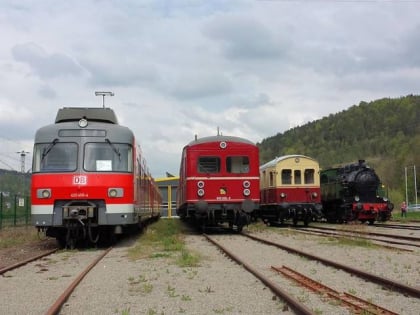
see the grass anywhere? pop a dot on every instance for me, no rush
(411, 215)
(13, 236)
(165, 239)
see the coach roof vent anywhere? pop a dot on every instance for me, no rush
(105, 115)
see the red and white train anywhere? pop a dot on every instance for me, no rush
(290, 190)
(219, 181)
(90, 181)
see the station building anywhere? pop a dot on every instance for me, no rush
(168, 187)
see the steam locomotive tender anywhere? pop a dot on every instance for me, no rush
(90, 181)
(219, 182)
(290, 190)
(352, 192)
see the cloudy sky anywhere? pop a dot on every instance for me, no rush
(185, 67)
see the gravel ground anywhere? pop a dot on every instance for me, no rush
(218, 286)
(158, 286)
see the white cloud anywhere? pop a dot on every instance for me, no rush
(180, 68)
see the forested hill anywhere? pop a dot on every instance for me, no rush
(385, 133)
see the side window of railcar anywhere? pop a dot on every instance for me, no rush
(237, 164)
(298, 177)
(272, 178)
(309, 176)
(208, 164)
(108, 157)
(55, 157)
(286, 176)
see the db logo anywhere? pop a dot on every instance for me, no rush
(80, 180)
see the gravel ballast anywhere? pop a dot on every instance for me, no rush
(118, 285)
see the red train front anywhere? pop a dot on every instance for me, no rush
(219, 181)
(89, 178)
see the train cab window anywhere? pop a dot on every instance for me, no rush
(298, 177)
(108, 157)
(237, 164)
(55, 157)
(309, 176)
(286, 177)
(208, 164)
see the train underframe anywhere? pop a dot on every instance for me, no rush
(279, 213)
(209, 216)
(86, 223)
(338, 212)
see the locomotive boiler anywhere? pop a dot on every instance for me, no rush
(353, 192)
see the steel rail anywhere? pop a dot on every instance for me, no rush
(298, 307)
(397, 226)
(393, 285)
(26, 261)
(357, 304)
(55, 308)
(330, 233)
(401, 237)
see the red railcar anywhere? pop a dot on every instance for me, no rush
(290, 189)
(89, 178)
(219, 181)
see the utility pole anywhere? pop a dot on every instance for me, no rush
(22, 160)
(103, 94)
(406, 183)
(22, 168)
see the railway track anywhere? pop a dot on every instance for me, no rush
(296, 304)
(398, 226)
(347, 230)
(391, 284)
(54, 276)
(344, 233)
(357, 304)
(55, 308)
(26, 261)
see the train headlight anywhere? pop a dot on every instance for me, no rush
(43, 193)
(83, 123)
(314, 195)
(200, 192)
(200, 184)
(115, 192)
(246, 184)
(282, 195)
(247, 192)
(356, 198)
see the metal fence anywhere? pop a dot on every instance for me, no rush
(15, 210)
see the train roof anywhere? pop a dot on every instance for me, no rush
(220, 138)
(101, 114)
(284, 157)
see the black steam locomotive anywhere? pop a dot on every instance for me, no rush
(353, 192)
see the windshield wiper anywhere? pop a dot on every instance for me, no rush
(48, 149)
(116, 150)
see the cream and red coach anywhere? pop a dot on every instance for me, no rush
(290, 190)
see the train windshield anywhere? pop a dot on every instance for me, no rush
(237, 164)
(108, 157)
(55, 157)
